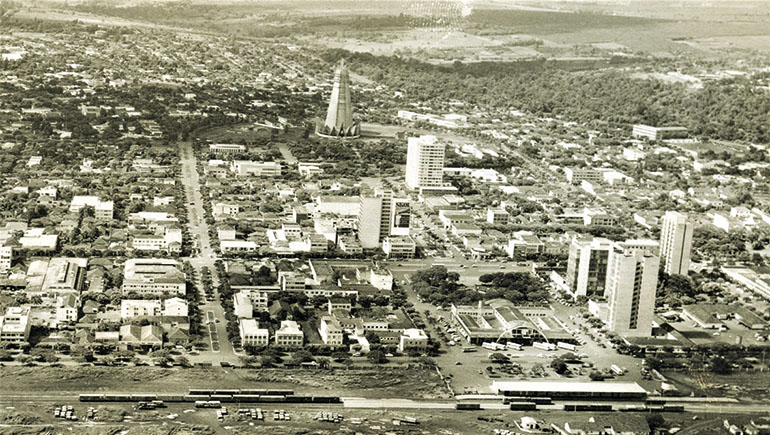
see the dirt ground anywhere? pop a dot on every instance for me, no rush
(379, 382)
(741, 385)
(181, 419)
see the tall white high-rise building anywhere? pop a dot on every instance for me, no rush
(369, 222)
(675, 243)
(375, 218)
(424, 162)
(587, 266)
(632, 280)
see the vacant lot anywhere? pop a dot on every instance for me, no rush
(377, 382)
(742, 385)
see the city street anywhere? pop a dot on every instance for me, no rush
(216, 331)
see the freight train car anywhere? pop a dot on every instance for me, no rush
(522, 406)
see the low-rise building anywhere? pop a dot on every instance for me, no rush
(65, 275)
(242, 307)
(308, 170)
(6, 257)
(524, 243)
(219, 209)
(413, 339)
(154, 276)
(497, 216)
(350, 245)
(226, 232)
(237, 246)
(578, 175)
(330, 331)
(130, 308)
(659, 133)
(172, 307)
(227, 148)
(251, 334)
(103, 210)
(67, 308)
(316, 243)
(141, 336)
(34, 240)
(255, 169)
(170, 241)
(399, 246)
(289, 335)
(15, 325)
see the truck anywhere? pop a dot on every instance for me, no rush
(567, 346)
(544, 346)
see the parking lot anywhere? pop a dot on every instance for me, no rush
(473, 372)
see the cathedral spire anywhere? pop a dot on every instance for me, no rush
(339, 117)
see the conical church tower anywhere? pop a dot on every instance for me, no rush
(339, 118)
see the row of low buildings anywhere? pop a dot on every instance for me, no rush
(58, 283)
(333, 330)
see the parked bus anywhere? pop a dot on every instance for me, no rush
(513, 346)
(567, 346)
(493, 346)
(544, 346)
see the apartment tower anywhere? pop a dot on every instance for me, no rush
(424, 162)
(632, 279)
(675, 243)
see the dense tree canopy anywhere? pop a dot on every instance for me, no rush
(729, 109)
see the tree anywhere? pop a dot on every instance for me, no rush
(301, 356)
(655, 421)
(720, 365)
(559, 366)
(183, 361)
(498, 357)
(324, 362)
(340, 356)
(372, 337)
(653, 363)
(377, 357)
(596, 376)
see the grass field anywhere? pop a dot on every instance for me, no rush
(380, 382)
(741, 385)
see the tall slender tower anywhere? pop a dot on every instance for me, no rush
(339, 117)
(424, 162)
(675, 243)
(632, 280)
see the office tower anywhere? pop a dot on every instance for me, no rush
(424, 162)
(339, 118)
(587, 266)
(632, 279)
(675, 243)
(374, 218)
